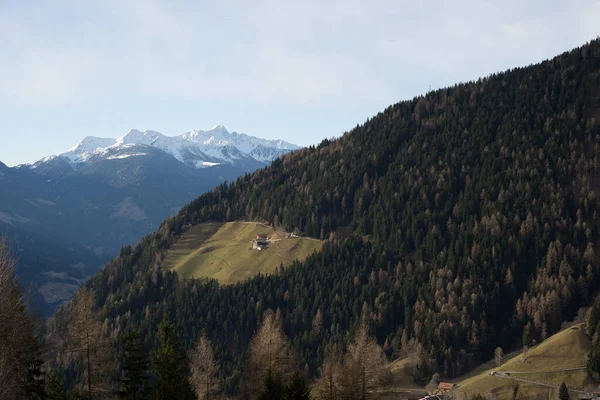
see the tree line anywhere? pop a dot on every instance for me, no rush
(127, 368)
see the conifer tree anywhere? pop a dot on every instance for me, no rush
(171, 365)
(297, 389)
(273, 387)
(593, 361)
(563, 392)
(135, 379)
(55, 389)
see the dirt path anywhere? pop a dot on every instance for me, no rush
(507, 375)
(544, 371)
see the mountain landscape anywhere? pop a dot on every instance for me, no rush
(107, 193)
(454, 224)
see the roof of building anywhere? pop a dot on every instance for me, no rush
(446, 385)
(261, 236)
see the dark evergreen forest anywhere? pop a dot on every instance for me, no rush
(453, 221)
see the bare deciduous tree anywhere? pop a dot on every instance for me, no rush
(269, 351)
(17, 333)
(365, 365)
(433, 384)
(328, 386)
(498, 354)
(204, 370)
(86, 341)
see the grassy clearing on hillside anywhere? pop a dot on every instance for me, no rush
(223, 251)
(401, 377)
(566, 349)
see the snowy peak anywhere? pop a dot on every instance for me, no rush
(88, 144)
(133, 136)
(197, 148)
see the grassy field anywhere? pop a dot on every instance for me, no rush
(566, 349)
(401, 377)
(223, 251)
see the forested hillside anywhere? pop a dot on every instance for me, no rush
(454, 221)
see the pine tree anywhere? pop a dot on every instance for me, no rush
(55, 389)
(273, 387)
(171, 365)
(593, 361)
(297, 389)
(134, 382)
(563, 392)
(515, 394)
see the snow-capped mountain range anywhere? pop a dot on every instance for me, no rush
(197, 149)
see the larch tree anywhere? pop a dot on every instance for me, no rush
(86, 341)
(365, 365)
(328, 385)
(204, 370)
(498, 354)
(270, 350)
(19, 347)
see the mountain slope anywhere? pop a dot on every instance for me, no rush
(456, 219)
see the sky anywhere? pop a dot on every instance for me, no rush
(294, 70)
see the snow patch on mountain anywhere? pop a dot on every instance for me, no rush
(122, 156)
(198, 149)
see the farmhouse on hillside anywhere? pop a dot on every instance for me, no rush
(446, 387)
(260, 241)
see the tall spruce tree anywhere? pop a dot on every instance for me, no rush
(297, 389)
(55, 389)
(171, 365)
(563, 392)
(135, 379)
(273, 386)
(593, 361)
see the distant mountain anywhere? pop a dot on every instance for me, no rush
(107, 193)
(196, 149)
